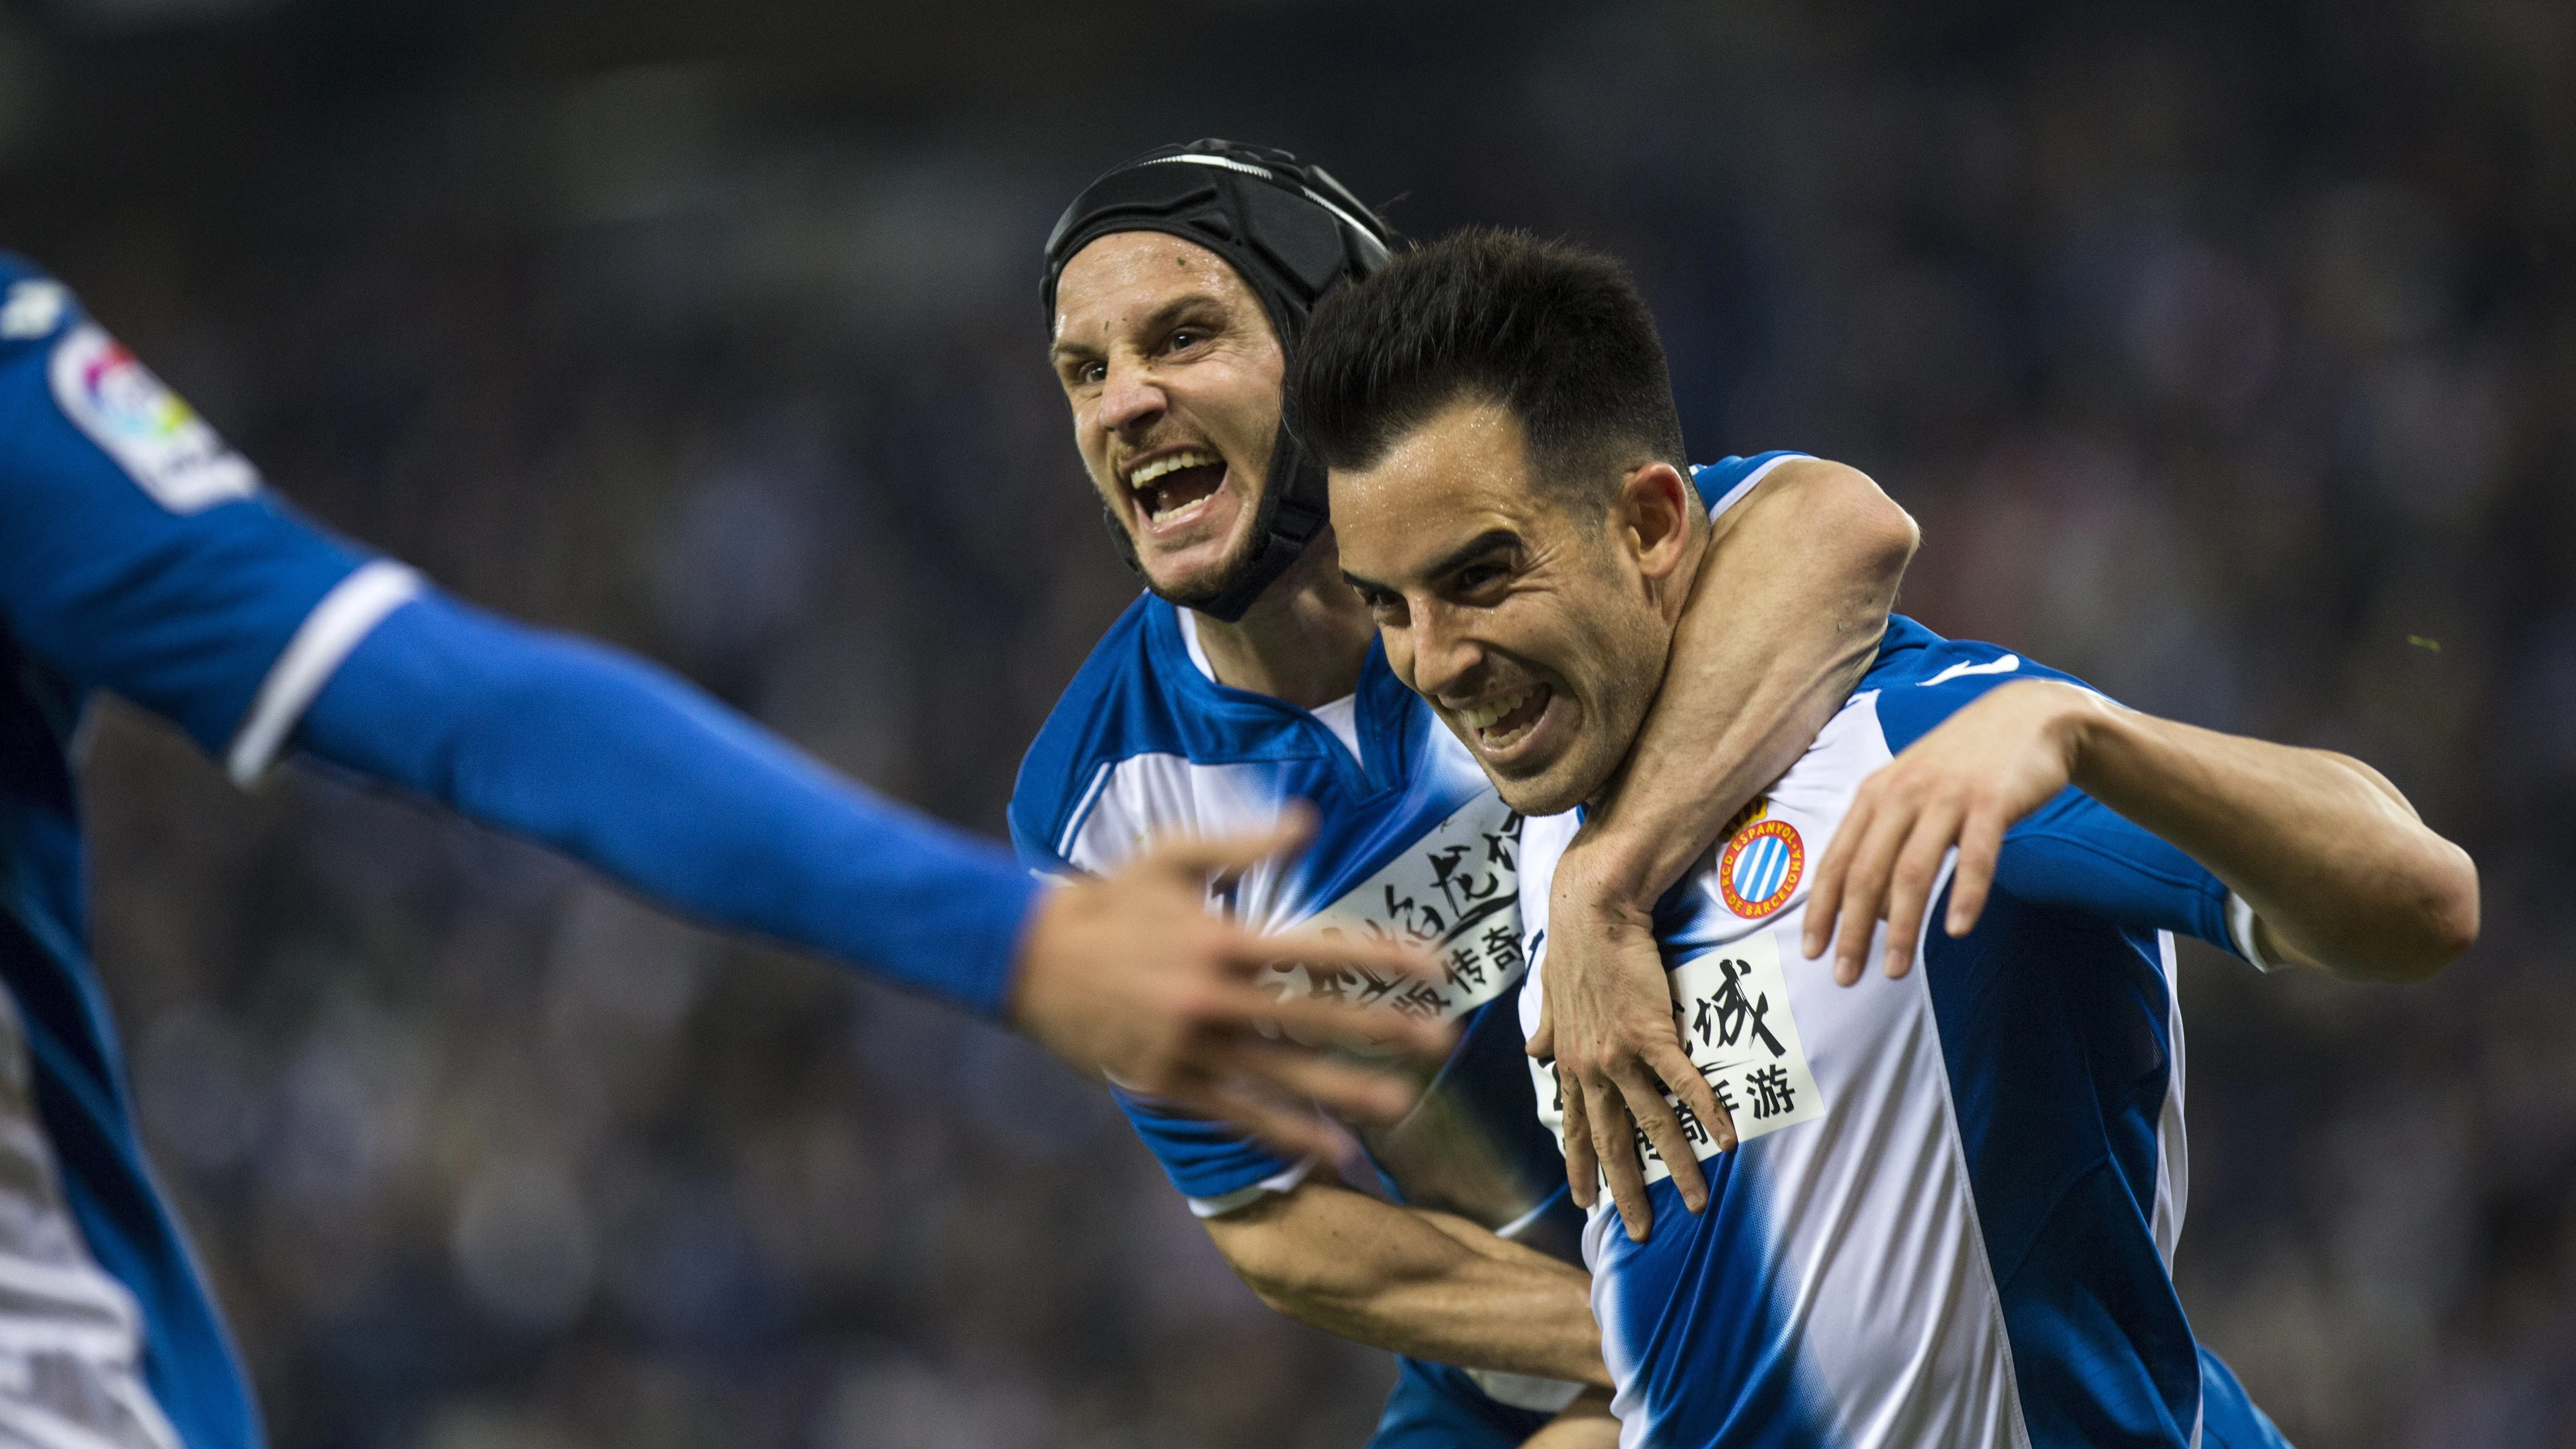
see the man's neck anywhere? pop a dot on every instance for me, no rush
(1672, 596)
(1302, 641)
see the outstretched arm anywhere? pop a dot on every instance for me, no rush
(140, 554)
(1783, 618)
(1418, 1283)
(2337, 868)
(634, 772)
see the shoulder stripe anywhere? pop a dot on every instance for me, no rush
(1748, 482)
(1082, 809)
(345, 616)
(2005, 665)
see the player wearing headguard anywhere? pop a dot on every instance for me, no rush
(1246, 679)
(139, 554)
(1948, 1212)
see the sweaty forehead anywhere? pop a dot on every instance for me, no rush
(1125, 276)
(1460, 476)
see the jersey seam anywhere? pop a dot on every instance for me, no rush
(1958, 1150)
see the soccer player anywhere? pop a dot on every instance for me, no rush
(1949, 1212)
(1246, 678)
(139, 554)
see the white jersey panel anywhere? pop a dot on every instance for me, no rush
(1878, 1288)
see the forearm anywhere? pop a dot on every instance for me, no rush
(2336, 865)
(1587, 1423)
(1383, 1275)
(1783, 618)
(634, 772)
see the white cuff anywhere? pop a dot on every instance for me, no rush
(1526, 1391)
(1244, 1197)
(344, 617)
(2240, 929)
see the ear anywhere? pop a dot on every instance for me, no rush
(1659, 505)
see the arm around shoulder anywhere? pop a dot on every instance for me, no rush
(2341, 872)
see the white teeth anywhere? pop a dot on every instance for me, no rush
(1171, 463)
(1482, 716)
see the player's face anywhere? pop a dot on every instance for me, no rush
(1536, 634)
(1173, 372)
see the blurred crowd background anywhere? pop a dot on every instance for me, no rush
(2224, 351)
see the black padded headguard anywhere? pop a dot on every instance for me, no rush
(1290, 231)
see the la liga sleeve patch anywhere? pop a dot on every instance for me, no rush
(135, 418)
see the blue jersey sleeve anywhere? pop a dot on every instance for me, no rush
(623, 766)
(1204, 1159)
(1724, 483)
(138, 553)
(2073, 852)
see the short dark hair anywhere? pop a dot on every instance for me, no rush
(1554, 332)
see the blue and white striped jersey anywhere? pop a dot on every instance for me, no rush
(1952, 1215)
(1412, 841)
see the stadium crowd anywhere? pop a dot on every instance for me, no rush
(2222, 356)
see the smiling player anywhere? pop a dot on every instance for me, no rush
(1246, 679)
(1949, 1208)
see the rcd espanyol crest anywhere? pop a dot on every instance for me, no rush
(1761, 863)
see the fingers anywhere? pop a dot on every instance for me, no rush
(1614, 1146)
(1910, 890)
(1682, 1080)
(1864, 889)
(1325, 945)
(1201, 856)
(1663, 1127)
(1289, 1127)
(1825, 893)
(1542, 1042)
(1981, 844)
(1338, 1086)
(1313, 1020)
(1582, 1166)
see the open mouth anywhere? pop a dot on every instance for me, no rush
(1170, 488)
(1500, 723)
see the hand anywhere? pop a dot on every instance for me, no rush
(1962, 785)
(1606, 1016)
(1131, 976)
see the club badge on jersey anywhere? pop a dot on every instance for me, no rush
(155, 437)
(1758, 869)
(1731, 1000)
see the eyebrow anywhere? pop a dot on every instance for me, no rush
(1457, 558)
(1161, 318)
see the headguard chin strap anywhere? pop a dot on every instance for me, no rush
(1290, 231)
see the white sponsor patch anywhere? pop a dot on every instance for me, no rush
(1455, 893)
(157, 439)
(1732, 1005)
(33, 307)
